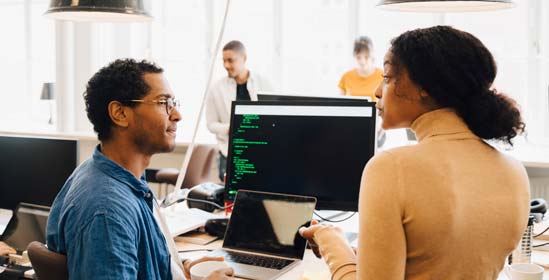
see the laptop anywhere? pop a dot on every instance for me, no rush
(27, 224)
(262, 239)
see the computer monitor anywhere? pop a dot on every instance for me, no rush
(33, 170)
(295, 97)
(304, 148)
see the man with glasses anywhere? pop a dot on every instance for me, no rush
(103, 219)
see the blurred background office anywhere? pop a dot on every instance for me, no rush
(303, 48)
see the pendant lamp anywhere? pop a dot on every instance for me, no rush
(100, 10)
(445, 6)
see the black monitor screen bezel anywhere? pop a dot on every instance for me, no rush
(237, 241)
(38, 176)
(321, 204)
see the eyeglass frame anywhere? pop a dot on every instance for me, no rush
(169, 108)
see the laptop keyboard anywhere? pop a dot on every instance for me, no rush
(255, 260)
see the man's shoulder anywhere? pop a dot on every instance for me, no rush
(92, 191)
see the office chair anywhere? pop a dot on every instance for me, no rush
(47, 265)
(199, 170)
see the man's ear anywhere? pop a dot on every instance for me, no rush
(118, 113)
(244, 57)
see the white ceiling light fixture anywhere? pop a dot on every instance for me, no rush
(100, 10)
(445, 6)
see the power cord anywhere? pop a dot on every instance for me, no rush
(539, 234)
(334, 221)
(541, 245)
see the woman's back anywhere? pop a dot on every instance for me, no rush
(461, 205)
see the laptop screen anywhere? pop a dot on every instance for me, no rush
(27, 224)
(268, 223)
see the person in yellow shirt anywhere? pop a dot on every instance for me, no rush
(363, 80)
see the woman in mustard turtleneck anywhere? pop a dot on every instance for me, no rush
(452, 206)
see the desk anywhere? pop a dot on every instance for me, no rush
(313, 268)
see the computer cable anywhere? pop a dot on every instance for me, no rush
(541, 245)
(334, 221)
(544, 231)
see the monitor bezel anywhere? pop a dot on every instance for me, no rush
(321, 204)
(276, 196)
(25, 137)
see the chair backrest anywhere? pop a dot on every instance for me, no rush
(200, 165)
(199, 170)
(47, 265)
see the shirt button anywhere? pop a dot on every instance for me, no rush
(148, 195)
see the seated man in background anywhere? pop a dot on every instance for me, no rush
(103, 218)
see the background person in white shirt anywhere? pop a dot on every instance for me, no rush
(240, 84)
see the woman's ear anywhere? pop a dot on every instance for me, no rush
(118, 113)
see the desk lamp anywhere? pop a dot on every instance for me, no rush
(48, 93)
(443, 6)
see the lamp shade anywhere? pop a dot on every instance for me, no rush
(443, 6)
(100, 10)
(48, 91)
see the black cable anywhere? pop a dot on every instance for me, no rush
(541, 232)
(541, 245)
(194, 250)
(334, 221)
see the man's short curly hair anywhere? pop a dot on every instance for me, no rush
(121, 80)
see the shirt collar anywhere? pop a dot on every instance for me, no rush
(441, 122)
(119, 173)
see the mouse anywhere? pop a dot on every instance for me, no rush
(217, 227)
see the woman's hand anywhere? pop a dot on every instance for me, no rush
(190, 263)
(309, 234)
(221, 274)
(6, 250)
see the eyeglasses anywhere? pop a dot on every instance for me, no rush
(169, 103)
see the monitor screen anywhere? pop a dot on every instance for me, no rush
(275, 220)
(33, 170)
(305, 148)
(27, 225)
(294, 97)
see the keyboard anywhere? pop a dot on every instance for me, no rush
(255, 260)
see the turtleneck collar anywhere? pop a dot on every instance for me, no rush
(443, 121)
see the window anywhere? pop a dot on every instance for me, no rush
(28, 58)
(302, 47)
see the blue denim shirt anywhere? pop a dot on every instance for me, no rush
(102, 219)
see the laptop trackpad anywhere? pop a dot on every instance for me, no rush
(253, 272)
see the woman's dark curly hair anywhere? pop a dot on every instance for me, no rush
(457, 71)
(121, 80)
